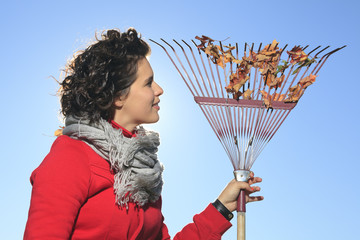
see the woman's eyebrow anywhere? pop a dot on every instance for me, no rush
(150, 79)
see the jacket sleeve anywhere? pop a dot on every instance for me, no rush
(208, 225)
(60, 187)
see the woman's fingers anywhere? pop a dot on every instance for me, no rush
(251, 189)
(255, 189)
(255, 199)
(254, 180)
(244, 185)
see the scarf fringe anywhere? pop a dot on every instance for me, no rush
(138, 172)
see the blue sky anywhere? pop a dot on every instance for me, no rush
(310, 167)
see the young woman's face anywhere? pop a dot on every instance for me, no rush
(141, 104)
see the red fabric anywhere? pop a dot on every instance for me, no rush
(125, 132)
(73, 198)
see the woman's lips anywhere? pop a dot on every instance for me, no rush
(156, 106)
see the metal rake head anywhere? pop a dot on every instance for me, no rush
(245, 97)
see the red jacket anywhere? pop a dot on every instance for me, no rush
(73, 198)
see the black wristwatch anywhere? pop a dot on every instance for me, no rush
(223, 210)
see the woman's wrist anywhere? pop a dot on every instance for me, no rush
(222, 209)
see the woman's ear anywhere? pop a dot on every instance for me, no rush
(119, 103)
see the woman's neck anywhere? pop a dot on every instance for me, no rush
(125, 131)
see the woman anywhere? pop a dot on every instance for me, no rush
(101, 178)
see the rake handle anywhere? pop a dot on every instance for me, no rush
(241, 212)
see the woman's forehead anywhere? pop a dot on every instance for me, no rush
(144, 68)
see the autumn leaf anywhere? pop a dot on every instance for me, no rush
(274, 45)
(251, 59)
(268, 62)
(278, 97)
(264, 94)
(307, 81)
(262, 57)
(237, 95)
(229, 88)
(281, 68)
(220, 61)
(292, 99)
(237, 80)
(305, 63)
(294, 89)
(237, 87)
(229, 57)
(212, 50)
(297, 55)
(230, 48)
(275, 82)
(293, 95)
(247, 94)
(204, 40)
(59, 132)
(237, 61)
(266, 99)
(308, 62)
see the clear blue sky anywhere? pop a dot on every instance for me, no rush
(310, 168)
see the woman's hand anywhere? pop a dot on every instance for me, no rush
(230, 194)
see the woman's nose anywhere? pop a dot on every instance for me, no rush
(157, 89)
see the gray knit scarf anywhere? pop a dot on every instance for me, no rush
(138, 173)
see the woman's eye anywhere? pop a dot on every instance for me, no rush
(149, 83)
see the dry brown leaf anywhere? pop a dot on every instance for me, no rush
(229, 48)
(213, 51)
(273, 45)
(247, 94)
(297, 55)
(266, 99)
(275, 82)
(237, 61)
(237, 87)
(278, 97)
(220, 61)
(267, 60)
(293, 95)
(307, 81)
(262, 57)
(59, 132)
(237, 95)
(203, 40)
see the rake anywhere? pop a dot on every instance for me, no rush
(244, 97)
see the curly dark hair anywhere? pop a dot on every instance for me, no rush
(101, 73)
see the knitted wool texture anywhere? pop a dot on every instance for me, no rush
(138, 172)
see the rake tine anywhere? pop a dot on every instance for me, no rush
(187, 75)
(168, 44)
(327, 56)
(197, 66)
(195, 44)
(321, 51)
(335, 50)
(283, 49)
(182, 76)
(313, 50)
(192, 70)
(237, 51)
